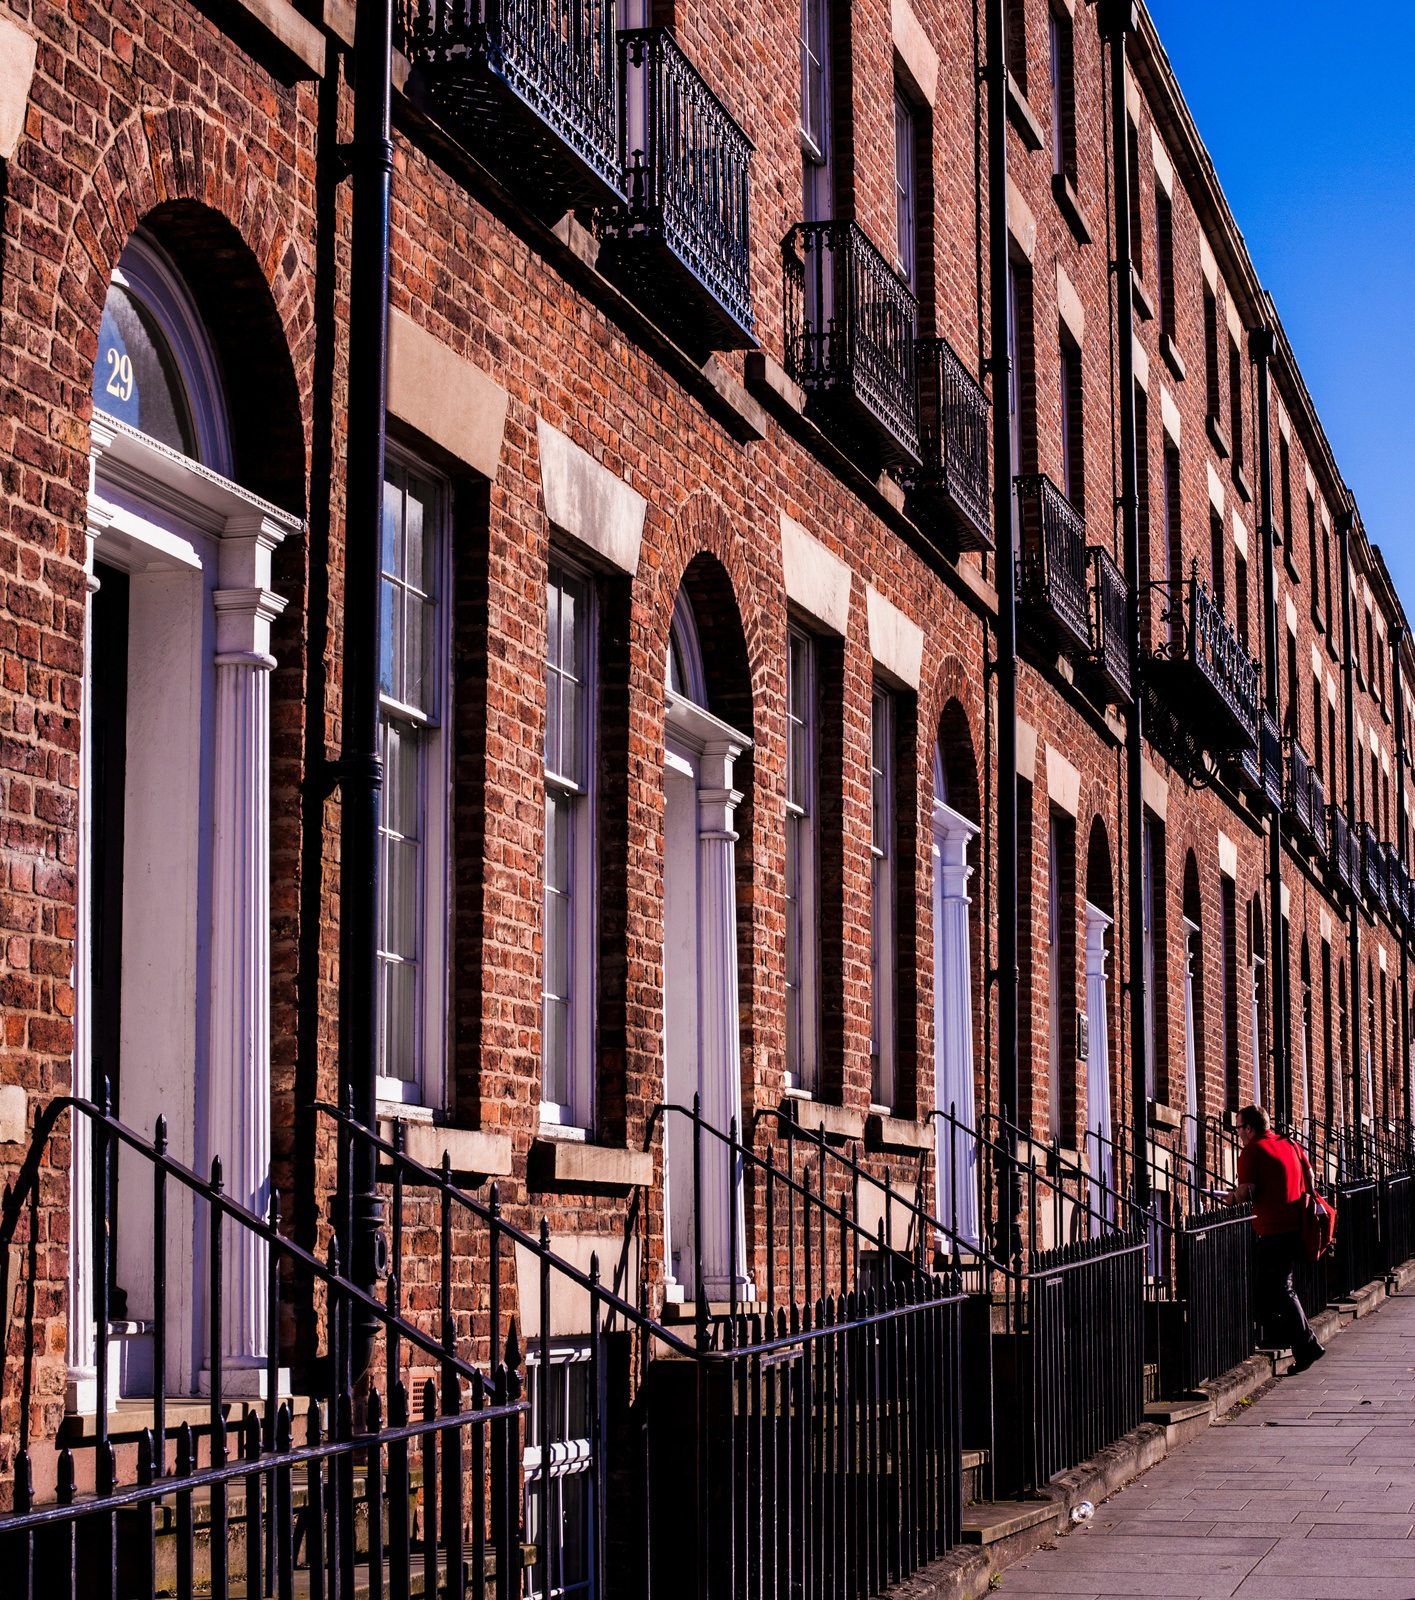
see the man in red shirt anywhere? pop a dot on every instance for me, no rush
(1273, 1174)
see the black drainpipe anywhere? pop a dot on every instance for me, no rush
(1397, 641)
(1262, 345)
(1344, 523)
(1118, 20)
(1003, 469)
(360, 768)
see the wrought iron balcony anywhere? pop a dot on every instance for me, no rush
(1397, 885)
(1203, 673)
(850, 339)
(1341, 839)
(1051, 566)
(1373, 866)
(1319, 817)
(1110, 624)
(1261, 766)
(528, 86)
(679, 243)
(952, 488)
(1297, 792)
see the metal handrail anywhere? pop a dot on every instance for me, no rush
(1051, 560)
(954, 431)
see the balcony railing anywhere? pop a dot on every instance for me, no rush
(1397, 886)
(528, 86)
(1110, 624)
(1341, 839)
(953, 484)
(1261, 766)
(1319, 816)
(680, 243)
(1373, 863)
(1051, 565)
(1297, 790)
(1203, 672)
(850, 338)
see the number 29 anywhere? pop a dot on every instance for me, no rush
(120, 375)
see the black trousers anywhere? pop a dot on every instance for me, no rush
(1280, 1313)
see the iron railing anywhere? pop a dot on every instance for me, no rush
(1297, 789)
(953, 425)
(682, 239)
(1339, 852)
(1373, 884)
(530, 84)
(850, 337)
(465, 1430)
(1214, 1283)
(1261, 764)
(1051, 564)
(1203, 672)
(1400, 887)
(1110, 623)
(1318, 816)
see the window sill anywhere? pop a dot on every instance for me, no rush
(897, 1133)
(566, 1163)
(1172, 358)
(1139, 295)
(1070, 207)
(1163, 1116)
(1290, 564)
(816, 1116)
(472, 1153)
(1022, 117)
(1240, 482)
(1217, 437)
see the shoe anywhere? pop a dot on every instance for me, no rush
(1309, 1357)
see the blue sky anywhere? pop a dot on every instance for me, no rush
(1304, 112)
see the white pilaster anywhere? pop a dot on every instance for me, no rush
(1099, 1132)
(957, 1148)
(82, 1388)
(720, 1061)
(238, 1069)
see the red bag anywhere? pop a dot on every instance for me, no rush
(1317, 1219)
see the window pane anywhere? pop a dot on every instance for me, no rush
(135, 377)
(566, 664)
(400, 1021)
(400, 917)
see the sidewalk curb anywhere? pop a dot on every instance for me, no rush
(966, 1572)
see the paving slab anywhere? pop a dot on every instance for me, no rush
(1307, 1495)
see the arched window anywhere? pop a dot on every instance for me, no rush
(684, 671)
(156, 370)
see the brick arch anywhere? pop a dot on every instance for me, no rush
(215, 210)
(702, 526)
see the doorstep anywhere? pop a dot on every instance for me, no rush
(993, 1520)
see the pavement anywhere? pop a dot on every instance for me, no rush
(1305, 1493)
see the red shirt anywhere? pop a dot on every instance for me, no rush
(1274, 1168)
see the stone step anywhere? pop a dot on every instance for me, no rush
(990, 1521)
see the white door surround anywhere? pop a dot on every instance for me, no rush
(702, 1050)
(196, 873)
(957, 1149)
(1100, 1134)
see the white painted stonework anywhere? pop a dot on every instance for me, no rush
(816, 581)
(586, 501)
(896, 643)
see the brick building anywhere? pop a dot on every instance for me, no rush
(688, 655)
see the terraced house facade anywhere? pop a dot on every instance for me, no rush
(689, 696)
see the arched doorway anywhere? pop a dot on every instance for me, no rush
(955, 828)
(172, 1002)
(701, 1023)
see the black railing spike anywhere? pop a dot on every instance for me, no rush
(159, 1134)
(65, 1486)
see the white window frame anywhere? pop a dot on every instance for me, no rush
(905, 189)
(1054, 978)
(571, 1459)
(883, 975)
(802, 909)
(576, 1115)
(429, 1088)
(1147, 942)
